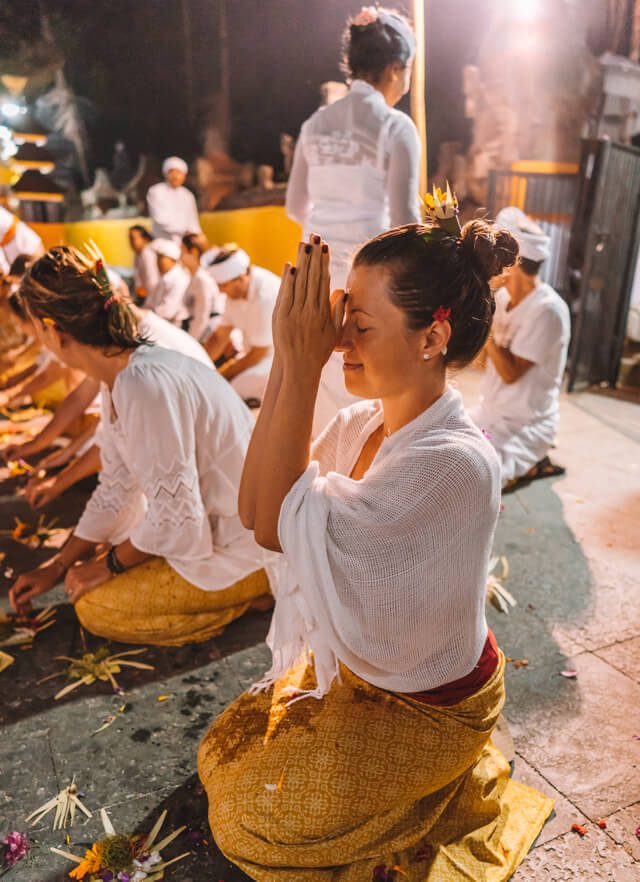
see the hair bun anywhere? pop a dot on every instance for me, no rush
(489, 250)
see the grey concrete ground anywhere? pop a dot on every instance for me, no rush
(574, 554)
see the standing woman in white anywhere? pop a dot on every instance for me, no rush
(355, 171)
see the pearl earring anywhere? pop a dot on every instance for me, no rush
(444, 351)
(426, 356)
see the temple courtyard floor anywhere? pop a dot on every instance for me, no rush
(573, 549)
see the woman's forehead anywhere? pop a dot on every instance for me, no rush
(367, 290)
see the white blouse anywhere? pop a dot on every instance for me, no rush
(388, 574)
(172, 451)
(173, 211)
(356, 169)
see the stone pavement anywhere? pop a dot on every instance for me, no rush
(574, 555)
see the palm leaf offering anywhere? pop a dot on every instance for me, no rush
(93, 666)
(497, 594)
(19, 629)
(122, 857)
(42, 534)
(64, 804)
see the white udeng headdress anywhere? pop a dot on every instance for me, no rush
(235, 265)
(174, 162)
(166, 248)
(532, 240)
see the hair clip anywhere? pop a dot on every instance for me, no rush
(442, 210)
(442, 314)
(48, 321)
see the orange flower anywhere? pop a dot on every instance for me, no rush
(19, 529)
(92, 863)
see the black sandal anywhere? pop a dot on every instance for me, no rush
(543, 469)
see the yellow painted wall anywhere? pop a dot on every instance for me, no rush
(266, 233)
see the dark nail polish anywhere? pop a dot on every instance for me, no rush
(345, 297)
(307, 249)
(293, 270)
(316, 240)
(325, 248)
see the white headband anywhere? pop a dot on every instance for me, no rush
(234, 266)
(532, 240)
(393, 21)
(209, 256)
(174, 162)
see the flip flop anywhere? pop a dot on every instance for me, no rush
(543, 469)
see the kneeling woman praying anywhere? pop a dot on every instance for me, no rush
(365, 753)
(159, 555)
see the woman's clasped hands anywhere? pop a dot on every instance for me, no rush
(307, 320)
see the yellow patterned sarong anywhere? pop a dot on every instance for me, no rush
(153, 604)
(365, 779)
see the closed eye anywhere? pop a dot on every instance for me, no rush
(362, 330)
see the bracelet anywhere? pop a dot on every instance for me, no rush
(113, 564)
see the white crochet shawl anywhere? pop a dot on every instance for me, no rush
(388, 574)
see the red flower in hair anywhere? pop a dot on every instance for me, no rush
(442, 314)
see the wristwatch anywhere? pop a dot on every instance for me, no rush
(113, 564)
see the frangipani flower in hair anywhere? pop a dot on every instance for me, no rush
(366, 16)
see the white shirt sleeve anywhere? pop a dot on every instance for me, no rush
(193, 220)
(403, 178)
(158, 211)
(117, 503)
(539, 336)
(297, 199)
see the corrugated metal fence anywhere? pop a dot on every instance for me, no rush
(550, 199)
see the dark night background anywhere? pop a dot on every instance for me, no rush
(127, 58)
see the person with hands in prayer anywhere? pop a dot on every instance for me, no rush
(386, 683)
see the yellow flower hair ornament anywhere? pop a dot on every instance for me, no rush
(441, 209)
(95, 263)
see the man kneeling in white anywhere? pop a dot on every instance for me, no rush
(251, 296)
(525, 360)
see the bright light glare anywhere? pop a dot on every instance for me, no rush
(11, 109)
(525, 11)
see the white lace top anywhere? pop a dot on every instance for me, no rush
(172, 452)
(356, 169)
(388, 574)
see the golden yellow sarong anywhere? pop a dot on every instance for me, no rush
(153, 604)
(333, 789)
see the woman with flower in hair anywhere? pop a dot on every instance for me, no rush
(159, 554)
(365, 750)
(355, 170)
